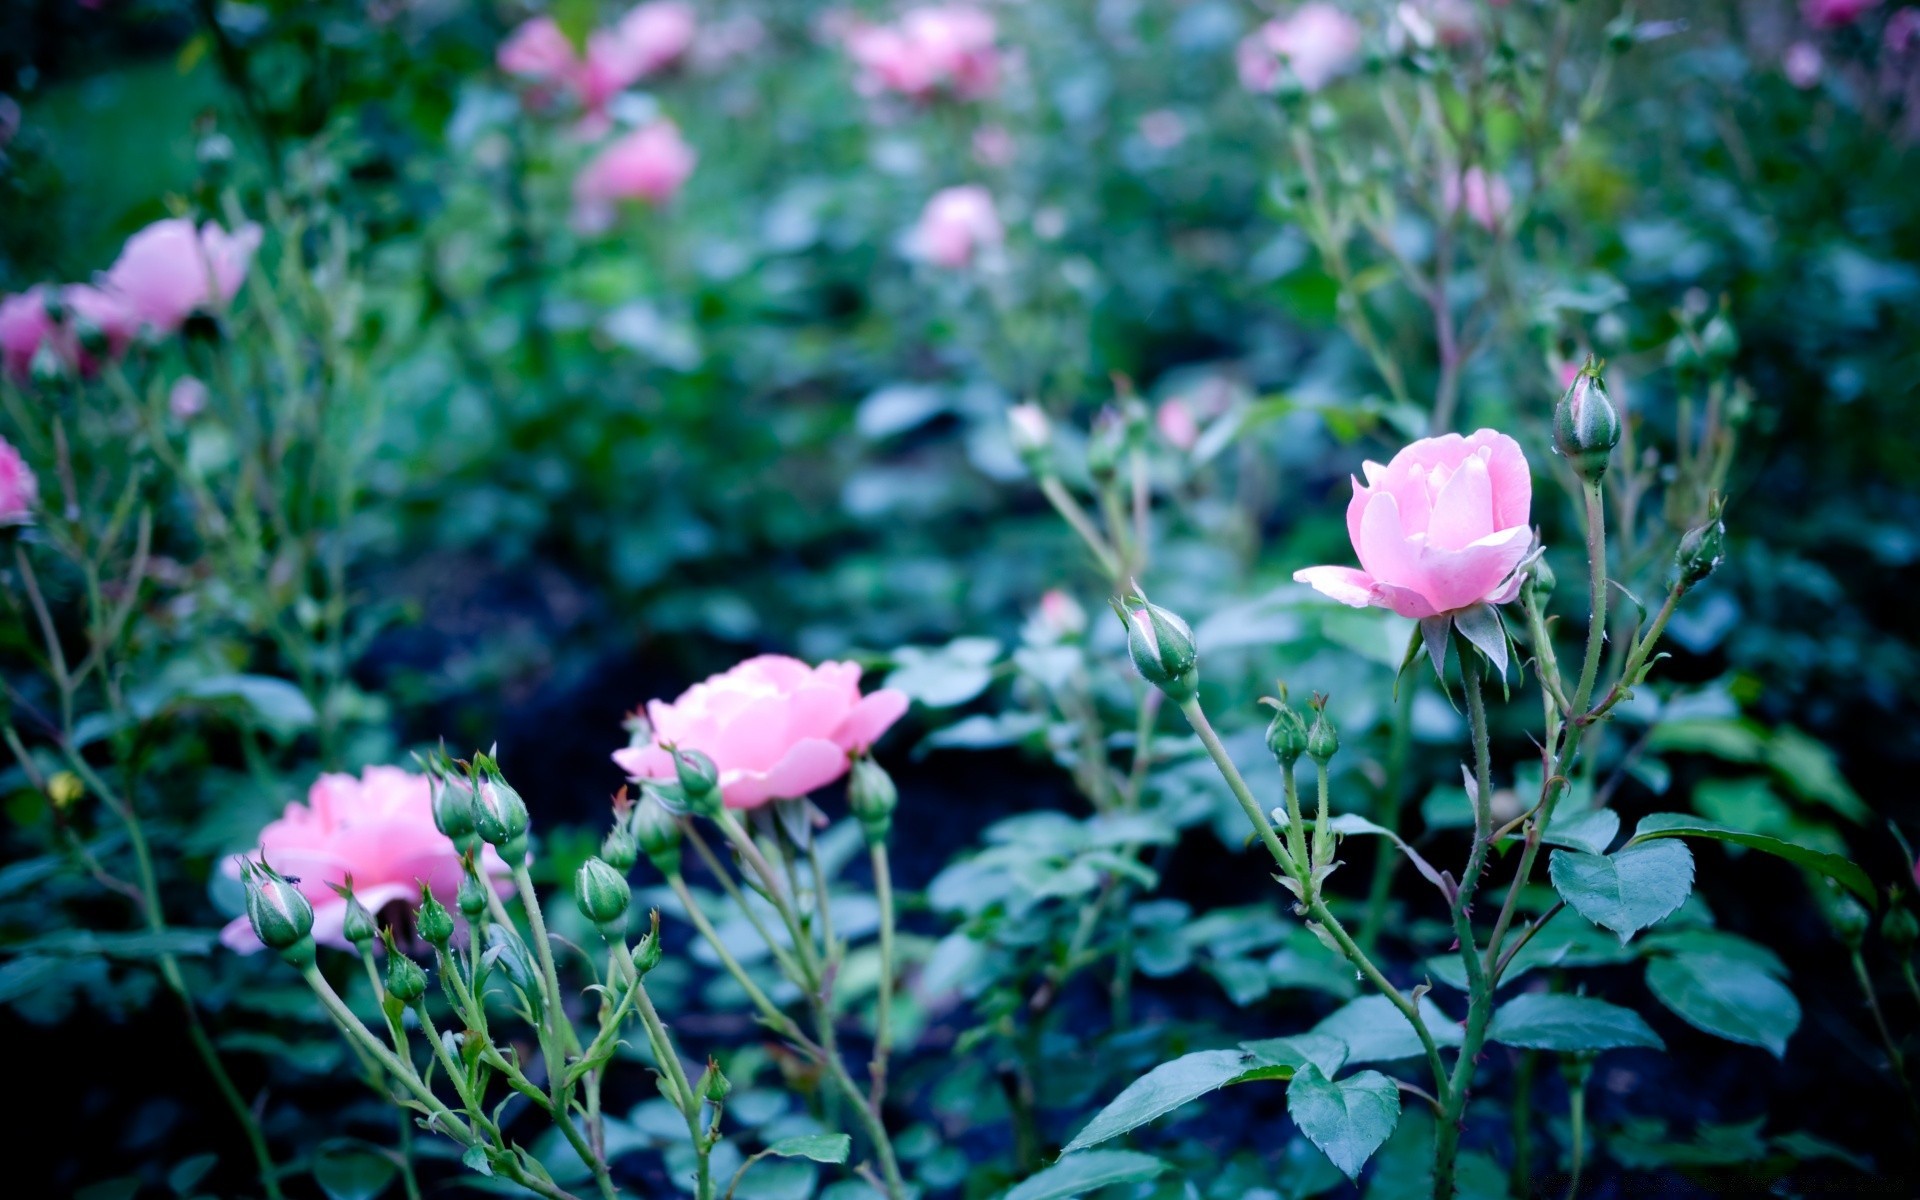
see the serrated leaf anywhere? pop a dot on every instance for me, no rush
(1165, 1088)
(1628, 890)
(1078, 1174)
(1674, 825)
(1375, 1031)
(1541, 1021)
(1732, 998)
(820, 1147)
(1591, 831)
(1327, 1053)
(1348, 1119)
(476, 1159)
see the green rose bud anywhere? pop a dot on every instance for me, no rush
(280, 916)
(1540, 582)
(1162, 649)
(359, 925)
(433, 921)
(452, 806)
(872, 797)
(1719, 341)
(646, 956)
(1585, 425)
(1286, 734)
(698, 778)
(1901, 929)
(1323, 740)
(473, 896)
(601, 892)
(1701, 550)
(499, 814)
(620, 849)
(1850, 920)
(1032, 437)
(406, 982)
(713, 1085)
(657, 831)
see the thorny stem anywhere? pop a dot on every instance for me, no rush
(537, 923)
(1076, 516)
(1895, 1058)
(1597, 592)
(883, 1003)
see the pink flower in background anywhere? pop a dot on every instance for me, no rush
(1441, 527)
(1317, 43)
(947, 47)
(993, 146)
(1831, 14)
(647, 40)
(650, 164)
(1487, 197)
(655, 36)
(1163, 129)
(537, 51)
(107, 311)
(776, 728)
(1802, 64)
(957, 224)
(377, 828)
(1177, 424)
(24, 324)
(1061, 616)
(1902, 32)
(187, 398)
(19, 490)
(169, 269)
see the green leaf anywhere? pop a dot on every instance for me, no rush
(1349, 1119)
(820, 1147)
(1167, 1087)
(1733, 998)
(476, 1159)
(1590, 832)
(1327, 1053)
(1809, 768)
(1078, 1174)
(1673, 825)
(1375, 1031)
(1628, 890)
(350, 1170)
(274, 702)
(187, 1174)
(1540, 1021)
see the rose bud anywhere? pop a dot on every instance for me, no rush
(1585, 425)
(433, 921)
(281, 917)
(601, 892)
(1286, 733)
(406, 982)
(1161, 645)
(658, 833)
(872, 797)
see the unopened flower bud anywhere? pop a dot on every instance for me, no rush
(601, 892)
(499, 814)
(1032, 437)
(1162, 648)
(452, 806)
(1540, 582)
(1323, 740)
(1106, 446)
(433, 922)
(1719, 341)
(406, 982)
(698, 777)
(1900, 929)
(1620, 33)
(872, 797)
(1701, 550)
(1286, 734)
(620, 849)
(473, 896)
(281, 917)
(1850, 920)
(1585, 425)
(359, 925)
(646, 956)
(1061, 618)
(713, 1085)
(658, 833)
(47, 368)
(507, 953)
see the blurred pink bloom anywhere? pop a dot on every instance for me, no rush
(1831, 14)
(1902, 32)
(947, 47)
(776, 728)
(377, 828)
(957, 224)
(187, 398)
(538, 51)
(24, 324)
(1163, 129)
(19, 490)
(1488, 198)
(1061, 616)
(1802, 64)
(169, 269)
(650, 38)
(656, 35)
(1441, 527)
(110, 312)
(993, 146)
(649, 164)
(1569, 371)
(720, 42)
(1317, 42)
(1176, 423)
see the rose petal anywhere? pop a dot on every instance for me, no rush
(1451, 579)
(1344, 584)
(1463, 511)
(807, 765)
(870, 718)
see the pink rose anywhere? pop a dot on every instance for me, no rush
(377, 828)
(937, 48)
(1488, 198)
(1902, 32)
(1441, 527)
(1831, 14)
(187, 398)
(1163, 129)
(957, 224)
(19, 490)
(1802, 64)
(1061, 618)
(1177, 424)
(109, 312)
(776, 728)
(656, 35)
(1317, 43)
(169, 269)
(537, 51)
(24, 325)
(647, 40)
(649, 164)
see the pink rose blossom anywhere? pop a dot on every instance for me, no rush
(649, 39)
(1061, 617)
(993, 146)
(1441, 527)
(19, 490)
(377, 828)
(940, 48)
(24, 325)
(775, 728)
(1488, 198)
(187, 398)
(537, 51)
(657, 35)
(1163, 129)
(1902, 32)
(1802, 64)
(956, 226)
(109, 312)
(1831, 14)
(649, 164)
(1317, 43)
(169, 269)
(1176, 423)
